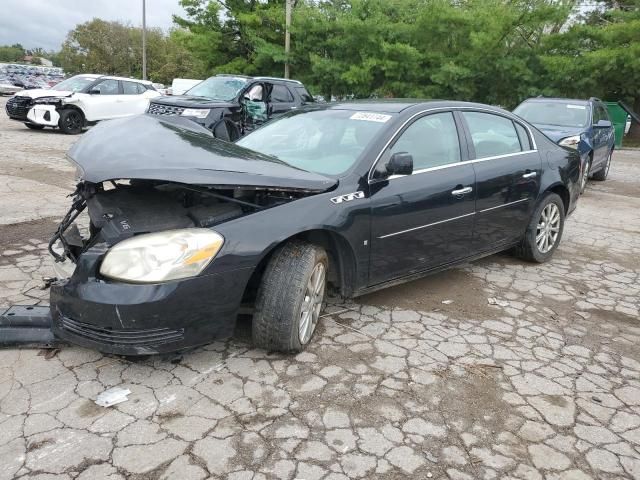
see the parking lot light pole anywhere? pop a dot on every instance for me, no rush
(144, 41)
(287, 36)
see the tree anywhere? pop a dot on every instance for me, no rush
(235, 36)
(115, 48)
(600, 55)
(469, 50)
(12, 53)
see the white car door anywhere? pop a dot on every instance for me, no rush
(101, 101)
(135, 98)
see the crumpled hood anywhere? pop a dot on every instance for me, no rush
(557, 133)
(43, 92)
(175, 149)
(190, 101)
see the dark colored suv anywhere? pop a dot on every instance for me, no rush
(583, 125)
(232, 105)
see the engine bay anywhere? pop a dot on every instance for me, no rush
(121, 209)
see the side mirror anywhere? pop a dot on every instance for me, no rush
(94, 91)
(400, 163)
(603, 124)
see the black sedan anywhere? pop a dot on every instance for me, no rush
(185, 230)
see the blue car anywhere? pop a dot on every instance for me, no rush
(583, 125)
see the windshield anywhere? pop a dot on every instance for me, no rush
(74, 84)
(554, 113)
(322, 141)
(218, 88)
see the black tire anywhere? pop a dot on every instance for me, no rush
(528, 248)
(602, 174)
(584, 178)
(33, 126)
(277, 316)
(71, 121)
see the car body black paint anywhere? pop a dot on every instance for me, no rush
(177, 150)
(357, 233)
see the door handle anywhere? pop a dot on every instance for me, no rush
(462, 191)
(530, 175)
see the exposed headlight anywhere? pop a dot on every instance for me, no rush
(47, 100)
(195, 112)
(571, 142)
(162, 256)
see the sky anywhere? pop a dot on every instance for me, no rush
(45, 23)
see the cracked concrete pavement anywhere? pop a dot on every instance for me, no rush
(524, 372)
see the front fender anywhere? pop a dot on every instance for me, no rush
(249, 239)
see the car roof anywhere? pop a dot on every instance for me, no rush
(559, 100)
(275, 79)
(398, 105)
(144, 82)
(90, 75)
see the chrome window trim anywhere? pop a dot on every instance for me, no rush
(426, 226)
(370, 178)
(458, 164)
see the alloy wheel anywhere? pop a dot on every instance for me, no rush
(312, 303)
(548, 228)
(585, 176)
(73, 121)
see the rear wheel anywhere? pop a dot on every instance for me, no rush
(71, 121)
(33, 126)
(601, 175)
(290, 298)
(544, 230)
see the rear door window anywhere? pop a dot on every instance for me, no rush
(492, 135)
(130, 88)
(431, 140)
(281, 94)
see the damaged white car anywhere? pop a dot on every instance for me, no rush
(80, 101)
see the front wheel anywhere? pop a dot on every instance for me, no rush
(290, 298)
(585, 175)
(544, 230)
(602, 174)
(71, 121)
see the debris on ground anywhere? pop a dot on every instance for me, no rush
(113, 396)
(495, 301)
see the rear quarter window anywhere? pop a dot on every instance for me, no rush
(523, 135)
(304, 94)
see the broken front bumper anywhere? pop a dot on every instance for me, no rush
(134, 319)
(46, 115)
(26, 326)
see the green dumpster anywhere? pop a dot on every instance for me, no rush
(619, 119)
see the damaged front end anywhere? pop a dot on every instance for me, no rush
(128, 308)
(137, 252)
(46, 110)
(118, 210)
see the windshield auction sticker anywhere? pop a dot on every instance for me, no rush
(370, 117)
(579, 107)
